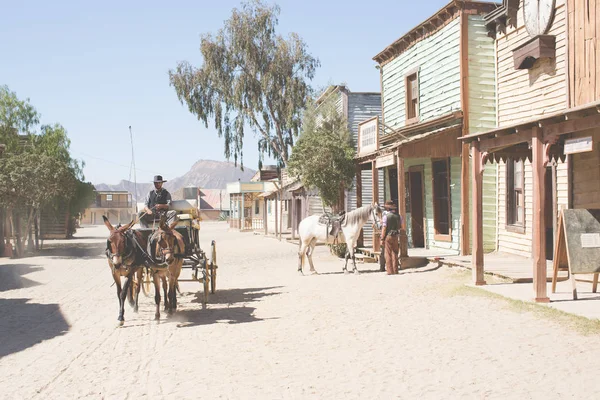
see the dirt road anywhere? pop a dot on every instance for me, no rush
(269, 333)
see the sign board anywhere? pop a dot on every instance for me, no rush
(368, 136)
(577, 246)
(385, 161)
(579, 145)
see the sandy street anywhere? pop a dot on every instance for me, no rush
(269, 333)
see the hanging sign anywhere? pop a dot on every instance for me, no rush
(385, 161)
(579, 145)
(368, 136)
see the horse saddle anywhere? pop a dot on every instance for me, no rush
(333, 222)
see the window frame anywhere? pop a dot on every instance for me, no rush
(441, 237)
(511, 210)
(408, 98)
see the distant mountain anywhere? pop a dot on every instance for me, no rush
(206, 174)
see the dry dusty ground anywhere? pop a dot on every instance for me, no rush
(269, 333)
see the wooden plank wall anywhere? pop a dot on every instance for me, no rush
(439, 78)
(586, 174)
(584, 51)
(525, 94)
(482, 117)
(521, 243)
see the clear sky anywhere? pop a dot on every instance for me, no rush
(99, 67)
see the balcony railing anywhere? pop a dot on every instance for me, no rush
(112, 204)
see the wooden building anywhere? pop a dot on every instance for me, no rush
(545, 144)
(437, 84)
(116, 205)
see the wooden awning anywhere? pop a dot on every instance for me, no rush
(552, 125)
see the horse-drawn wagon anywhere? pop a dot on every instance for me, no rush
(203, 266)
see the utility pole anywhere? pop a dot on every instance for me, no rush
(133, 168)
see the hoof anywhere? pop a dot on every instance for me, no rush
(121, 322)
(136, 309)
(300, 273)
(356, 272)
(346, 272)
(314, 273)
(156, 317)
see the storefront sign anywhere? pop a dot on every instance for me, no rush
(580, 145)
(590, 240)
(385, 161)
(368, 136)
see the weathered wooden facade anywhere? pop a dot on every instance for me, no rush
(438, 83)
(548, 97)
(117, 206)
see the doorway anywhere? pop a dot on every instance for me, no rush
(393, 180)
(550, 209)
(415, 189)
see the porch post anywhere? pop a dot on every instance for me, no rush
(360, 242)
(539, 232)
(402, 207)
(375, 176)
(265, 216)
(292, 215)
(465, 248)
(477, 254)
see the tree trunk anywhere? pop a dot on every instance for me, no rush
(30, 230)
(37, 231)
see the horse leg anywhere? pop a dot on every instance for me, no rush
(122, 299)
(165, 291)
(117, 279)
(174, 271)
(351, 254)
(301, 256)
(309, 252)
(156, 295)
(137, 290)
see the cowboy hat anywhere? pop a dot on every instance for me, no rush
(390, 204)
(158, 178)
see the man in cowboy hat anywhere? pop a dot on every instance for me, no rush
(157, 203)
(389, 233)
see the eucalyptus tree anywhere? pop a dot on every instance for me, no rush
(250, 77)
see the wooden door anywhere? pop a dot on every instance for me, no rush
(550, 209)
(417, 206)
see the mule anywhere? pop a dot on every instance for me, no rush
(169, 248)
(312, 232)
(124, 260)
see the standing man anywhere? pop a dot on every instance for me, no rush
(157, 203)
(389, 234)
(382, 252)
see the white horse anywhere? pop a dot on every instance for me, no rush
(311, 232)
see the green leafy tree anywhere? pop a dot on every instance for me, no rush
(253, 77)
(323, 157)
(16, 116)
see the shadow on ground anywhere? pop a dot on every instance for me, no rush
(230, 315)
(12, 276)
(75, 250)
(233, 296)
(24, 324)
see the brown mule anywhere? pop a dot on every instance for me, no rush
(124, 260)
(170, 247)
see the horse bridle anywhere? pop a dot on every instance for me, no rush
(168, 249)
(129, 249)
(374, 215)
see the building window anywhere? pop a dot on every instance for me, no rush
(441, 199)
(515, 196)
(109, 197)
(256, 207)
(412, 97)
(285, 204)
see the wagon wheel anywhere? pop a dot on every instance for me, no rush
(205, 281)
(146, 281)
(213, 267)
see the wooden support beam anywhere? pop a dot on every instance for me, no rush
(571, 125)
(375, 186)
(500, 142)
(464, 100)
(539, 231)
(477, 193)
(402, 207)
(360, 242)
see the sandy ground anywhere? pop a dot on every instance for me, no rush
(269, 333)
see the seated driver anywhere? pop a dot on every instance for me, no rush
(157, 203)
